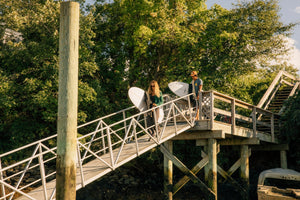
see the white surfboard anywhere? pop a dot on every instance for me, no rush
(137, 97)
(179, 88)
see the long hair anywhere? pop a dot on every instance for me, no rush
(154, 91)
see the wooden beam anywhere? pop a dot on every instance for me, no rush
(288, 83)
(228, 177)
(237, 164)
(186, 179)
(202, 142)
(244, 169)
(243, 132)
(197, 135)
(271, 147)
(283, 160)
(207, 191)
(212, 110)
(212, 165)
(168, 171)
(269, 90)
(233, 117)
(239, 141)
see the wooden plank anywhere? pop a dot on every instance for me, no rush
(288, 83)
(239, 141)
(269, 90)
(202, 125)
(196, 135)
(237, 116)
(186, 179)
(289, 75)
(271, 147)
(244, 132)
(207, 191)
(228, 99)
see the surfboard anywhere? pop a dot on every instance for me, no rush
(179, 88)
(137, 97)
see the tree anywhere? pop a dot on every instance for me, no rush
(165, 40)
(291, 129)
(29, 71)
(147, 40)
(239, 41)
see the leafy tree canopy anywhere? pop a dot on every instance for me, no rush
(128, 43)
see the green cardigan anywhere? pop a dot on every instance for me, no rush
(157, 100)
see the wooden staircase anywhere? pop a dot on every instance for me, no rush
(277, 102)
(283, 86)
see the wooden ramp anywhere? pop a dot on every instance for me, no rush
(97, 168)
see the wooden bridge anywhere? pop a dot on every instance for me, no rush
(111, 141)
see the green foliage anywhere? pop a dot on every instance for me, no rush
(291, 129)
(29, 71)
(165, 40)
(128, 43)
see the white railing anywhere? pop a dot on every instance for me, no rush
(105, 136)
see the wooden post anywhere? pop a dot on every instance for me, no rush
(200, 106)
(212, 110)
(212, 165)
(168, 171)
(272, 128)
(206, 167)
(245, 168)
(254, 121)
(67, 101)
(283, 160)
(233, 116)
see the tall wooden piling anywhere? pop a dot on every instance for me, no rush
(67, 101)
(212, 165)
(245, 168)
(168, 172)
(283, 159)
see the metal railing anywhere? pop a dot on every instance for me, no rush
(102, 139)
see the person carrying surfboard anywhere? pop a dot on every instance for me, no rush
(196, 88)
(154, 98)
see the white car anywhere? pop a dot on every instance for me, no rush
(289, 181)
